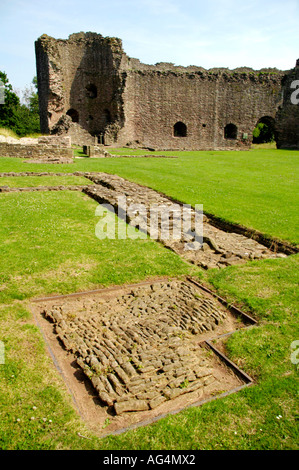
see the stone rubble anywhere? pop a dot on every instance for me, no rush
(219, 248)
(138, 348)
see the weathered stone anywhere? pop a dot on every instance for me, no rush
(117, 386)
(95, 365)
(90, 78)
(287, 118)
(136, 389)
(148, 395)
(38, 152)
(105, 398)
(173, 393)
(121, 374)
(155, 402)
(109, 188)
(129, 369)
(195, 386)
(130, 405)
(154, 371)
(208, 380)
(169, 367)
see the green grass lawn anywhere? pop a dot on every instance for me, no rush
(45, 234)
(35, 181)
(48, 245)
(256, 188)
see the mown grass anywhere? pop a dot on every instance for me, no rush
(256, 188)
(48, 246)
(50, 242)
(36, 181)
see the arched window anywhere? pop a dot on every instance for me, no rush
(73, 114)
(91, 91)
(180, 129)
(230, 131)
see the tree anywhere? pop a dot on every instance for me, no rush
(28, 113)
(11, 102)
(263, 133)
(23, 119)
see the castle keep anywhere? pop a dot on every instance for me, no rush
(91, 90)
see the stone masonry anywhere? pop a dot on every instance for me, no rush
(139, 348)
(47, 149)
(219, 248)
(287, 126)
(87, 82)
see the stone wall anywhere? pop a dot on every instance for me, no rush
(55, 141)
(205, 102)
(122, 101)
(47, 149)
(80, 136)
(77, 134)
(79, 77)
(287, 125)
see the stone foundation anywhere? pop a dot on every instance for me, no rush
(138, 348)
(46, 149)
(224, 244)
(219, 248)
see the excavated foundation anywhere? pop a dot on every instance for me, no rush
(143, 347)
(219, 248)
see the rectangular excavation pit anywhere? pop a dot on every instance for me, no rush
(130, 355)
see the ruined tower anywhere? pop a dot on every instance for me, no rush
(80, 77)
(90, 89)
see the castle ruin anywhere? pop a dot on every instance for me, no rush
(91, 90)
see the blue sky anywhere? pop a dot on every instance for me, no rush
(207, 33)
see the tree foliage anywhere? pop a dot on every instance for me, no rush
(263, 133)
(23, 119)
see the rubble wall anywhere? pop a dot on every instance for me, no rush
(123, 102)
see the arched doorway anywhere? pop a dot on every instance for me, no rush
(230, 131)
(264, 131)
(180, 129)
